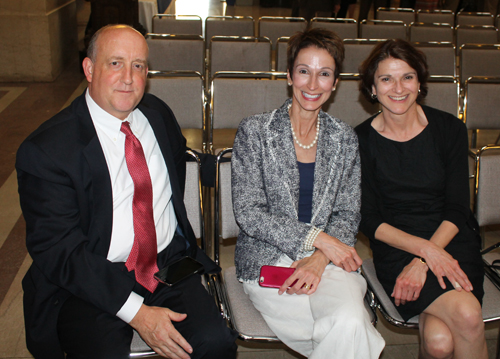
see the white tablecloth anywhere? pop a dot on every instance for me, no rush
(147, 9)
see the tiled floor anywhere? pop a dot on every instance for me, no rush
(24, 106)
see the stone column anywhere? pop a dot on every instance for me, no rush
(37, 38)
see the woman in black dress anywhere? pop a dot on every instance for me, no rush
(415, 205)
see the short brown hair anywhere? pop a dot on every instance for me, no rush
(396, 49)
(320, 38)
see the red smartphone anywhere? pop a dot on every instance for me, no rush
(274, 277)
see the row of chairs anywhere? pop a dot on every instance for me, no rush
(274, 27)
(236, 95)
(232, 53)
(436, 16)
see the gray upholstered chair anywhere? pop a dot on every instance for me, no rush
(440, 56)
(236, 95)
(356, 51)
(228, 26)
(425, 32)
(345, 28)
(176, 52)
(393, 13)
(475, 18)
(275, 27)
(177, 24)
(475, 34)
(383, 29)
(436, 16)
(444, 94)
(280, 63)
(239, 53)
(479, 60)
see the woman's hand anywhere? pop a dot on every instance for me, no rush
(339, 253)
(307, 275)
(442, 264)
(410, 282)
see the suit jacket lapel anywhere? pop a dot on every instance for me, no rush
(98, 180)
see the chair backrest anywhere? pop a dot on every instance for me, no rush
(176, 52)
(444, 94)
(356, 51)
(382, 29)
(348, 103)
(276, 27)
(479, 60)
(475, 18)
(193, 196)
(184, 93)
(487, 183)
(228, 26)
(177, 24)
(481, 105)
(426, 32)
(236, 96)
(234, 53)
(441, 58)
(436, 16)
(473, 34)
(281, 56)
(393, 13)
(345, 28)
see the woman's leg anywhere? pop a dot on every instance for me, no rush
(461, 313)
(436, 341)
(342, 327)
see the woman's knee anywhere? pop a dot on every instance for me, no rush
(437, 344)
(468, 318)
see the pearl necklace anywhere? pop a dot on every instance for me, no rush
(306, 147)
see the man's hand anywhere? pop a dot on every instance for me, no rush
(154, 325)
(410, 282)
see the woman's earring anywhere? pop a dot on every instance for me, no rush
(373, 96)
(418, 90)
(289, 84)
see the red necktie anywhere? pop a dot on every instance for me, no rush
(142, 258)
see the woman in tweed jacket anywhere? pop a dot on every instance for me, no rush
(296, 198)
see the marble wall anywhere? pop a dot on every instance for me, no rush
(37, 38)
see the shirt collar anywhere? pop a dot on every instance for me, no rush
(109, 123)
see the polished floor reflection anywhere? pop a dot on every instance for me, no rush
(24, 106)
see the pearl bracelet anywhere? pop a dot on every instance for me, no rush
(311, 237)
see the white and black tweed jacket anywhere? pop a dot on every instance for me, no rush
(265, 189)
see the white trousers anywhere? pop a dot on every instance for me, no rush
(330, 323)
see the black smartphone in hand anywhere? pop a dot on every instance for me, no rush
(178, 270)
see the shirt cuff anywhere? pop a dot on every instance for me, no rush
(128, 311)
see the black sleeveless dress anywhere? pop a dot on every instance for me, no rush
(411, 178)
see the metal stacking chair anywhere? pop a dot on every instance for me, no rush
(426, 32)
(228, 26)
(280, 64)
(184, 92)
(356, 51)
(475, 34)
(348, 103)
(436, 16)
(479, 60)
(236, 95)
(176, 52)
(193, 202)
(234, 303)
(236, 53)
(177, 24)
(475, 18)
(393, 13)
(382, 29)
(276, 27)
(345, 28)
(444, 94)
(481, 106)
(440, 56)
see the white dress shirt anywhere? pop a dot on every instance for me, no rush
(113, 145)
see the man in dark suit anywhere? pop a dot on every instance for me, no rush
(80, 193)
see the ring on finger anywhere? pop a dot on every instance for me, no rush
(307, 286)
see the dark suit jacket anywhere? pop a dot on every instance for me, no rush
(66, 198)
